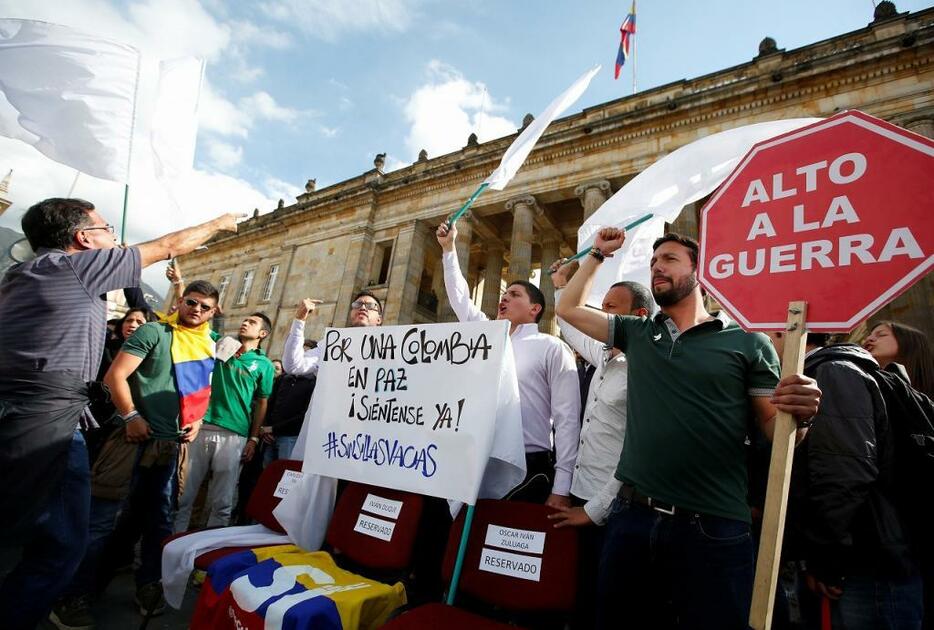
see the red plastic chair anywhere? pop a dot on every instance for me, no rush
(367, 551)
(555, 592)
(259, 508)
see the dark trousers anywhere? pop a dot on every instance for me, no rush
(152, 500)
(871, 602)
(685, 571)
(539, 477)
(590, 548)
(51, 556)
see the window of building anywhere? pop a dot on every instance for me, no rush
(382, 261)
(245, 287)
(222, 288)
(270, 283)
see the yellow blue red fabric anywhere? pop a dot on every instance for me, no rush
(193, 362)
(287, 588)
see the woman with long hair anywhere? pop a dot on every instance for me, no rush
(892, 342)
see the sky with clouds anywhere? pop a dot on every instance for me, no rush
(299, 89)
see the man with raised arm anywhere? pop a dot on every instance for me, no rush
(549, 392)
(678, 530)
(52, 330)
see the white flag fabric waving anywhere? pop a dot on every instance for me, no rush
(68, 94)
(663, 189)
(175, 116)
(520, 148)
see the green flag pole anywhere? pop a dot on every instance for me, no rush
(635, 223)
(467, 204)
(126, 195)
(461, 550)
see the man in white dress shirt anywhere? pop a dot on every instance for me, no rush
(549, 391)
(602, 432)
(365, 310)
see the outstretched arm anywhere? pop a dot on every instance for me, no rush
(454, 283)
(185, 241)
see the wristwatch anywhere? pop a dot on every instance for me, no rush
(254, 439)
(129, 416)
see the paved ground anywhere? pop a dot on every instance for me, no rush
(116, 610)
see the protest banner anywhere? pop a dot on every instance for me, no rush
(815, 229)
(408, 407)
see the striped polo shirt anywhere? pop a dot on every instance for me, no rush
(52, 315)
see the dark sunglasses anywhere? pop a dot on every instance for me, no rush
(193, 303)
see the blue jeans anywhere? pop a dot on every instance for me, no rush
(280, 449)
(152, 500)
(873, 603)
(53, 554)
(659, 571)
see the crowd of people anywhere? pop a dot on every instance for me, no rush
(658, 456)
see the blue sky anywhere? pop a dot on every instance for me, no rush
(297, 89)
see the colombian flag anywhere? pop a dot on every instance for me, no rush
(626, 32)
(287, 588)
(193, 360)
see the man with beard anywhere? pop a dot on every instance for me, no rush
(678, 551)
(549, 390)
(146, 383)
(240, 387)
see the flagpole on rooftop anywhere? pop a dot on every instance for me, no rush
(633, 51)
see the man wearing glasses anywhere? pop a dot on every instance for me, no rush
(52, 331)
(365, 310)
(142, 380)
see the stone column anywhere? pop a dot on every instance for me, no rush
(551, 251)
(524, 209)
(492, 277)
(406, 274)
(355, 272)
(437, 285)
(592, 195)
(462, 247)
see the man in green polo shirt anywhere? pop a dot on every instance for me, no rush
(231, 432)
(678, 551)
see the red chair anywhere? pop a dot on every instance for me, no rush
(553, 594)
(367, 551)
(259, 508)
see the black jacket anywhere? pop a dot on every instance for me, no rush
(842, 517)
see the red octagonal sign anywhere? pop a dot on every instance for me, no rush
(838, 214)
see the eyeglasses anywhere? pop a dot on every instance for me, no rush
(107, 227)
(370, 306)
(193, 303)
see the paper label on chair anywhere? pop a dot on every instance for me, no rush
(515, 539)
(375, 527)
(290, 479)
(511, 564)
(381, 506)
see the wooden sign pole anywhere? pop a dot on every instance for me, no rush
(776, 496)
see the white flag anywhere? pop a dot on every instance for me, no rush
(175, 116)
(521, 147)
(663, 189)
(68, 94)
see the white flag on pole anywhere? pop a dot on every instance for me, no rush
(175, 116)
(663, 189)
(520, 148)
(68, 94)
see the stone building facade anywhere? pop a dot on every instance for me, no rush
(375, 230)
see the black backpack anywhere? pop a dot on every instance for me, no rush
(910, 417)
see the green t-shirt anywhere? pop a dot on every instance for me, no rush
(234, 384)
(689, 409)
(152, 385)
